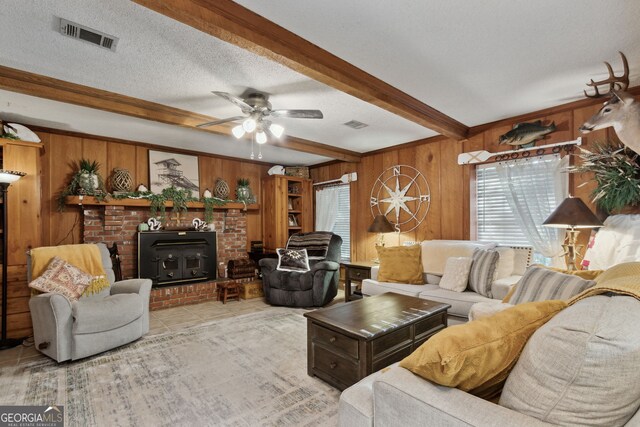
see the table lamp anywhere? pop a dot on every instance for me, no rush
(381, 225)
(6, 178)
(571, 214)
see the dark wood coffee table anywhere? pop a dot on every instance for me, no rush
(347, 342)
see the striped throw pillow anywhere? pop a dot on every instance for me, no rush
(483, 271)
(540, 284)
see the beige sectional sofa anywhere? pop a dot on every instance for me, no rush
(578, 369)
(434, 256)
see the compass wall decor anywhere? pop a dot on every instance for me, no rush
(403, 192)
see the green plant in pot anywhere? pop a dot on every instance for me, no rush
(243, 191)
(616, 172)
(85, 181)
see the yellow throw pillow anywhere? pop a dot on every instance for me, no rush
(400, 264)
(478, 356)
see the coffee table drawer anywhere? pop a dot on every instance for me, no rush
(429, 326)
(340, 367)
(391, 340)
(394, 357)
(334, 340)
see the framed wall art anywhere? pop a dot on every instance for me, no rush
(177, 170)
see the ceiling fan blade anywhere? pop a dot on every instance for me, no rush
(219, 122)
(246, 108)
(298, 114)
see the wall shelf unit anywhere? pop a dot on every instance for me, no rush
(288, 209)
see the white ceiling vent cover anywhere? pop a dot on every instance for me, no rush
(356, 124)
(80, 32)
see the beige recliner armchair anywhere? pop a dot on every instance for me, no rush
(65, 330)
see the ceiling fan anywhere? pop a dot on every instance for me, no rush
(256, 109)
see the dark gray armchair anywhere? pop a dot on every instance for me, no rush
(313, 288)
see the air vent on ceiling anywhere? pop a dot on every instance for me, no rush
(356, 124)
(80, 32)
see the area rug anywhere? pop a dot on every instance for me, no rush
(247, 370)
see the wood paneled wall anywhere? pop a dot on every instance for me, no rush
(452, 186)
(61, 151)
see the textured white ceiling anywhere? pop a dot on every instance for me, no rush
(15, 107)
(161, 60)
(477, 62)
(474, 61)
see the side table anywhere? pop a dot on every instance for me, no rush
(357, 271)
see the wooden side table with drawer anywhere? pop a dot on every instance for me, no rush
(357, 271)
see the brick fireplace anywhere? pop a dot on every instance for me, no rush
(119, 224)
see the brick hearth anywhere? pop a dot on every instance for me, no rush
(119, 224)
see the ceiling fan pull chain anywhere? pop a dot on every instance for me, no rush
(252, 143)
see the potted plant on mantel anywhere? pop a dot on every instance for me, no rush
(85, 181)
(616, 172)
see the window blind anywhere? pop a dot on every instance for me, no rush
(495, 220)
(343, 221)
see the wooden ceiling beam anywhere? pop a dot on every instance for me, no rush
(41, 86)
(240, 26)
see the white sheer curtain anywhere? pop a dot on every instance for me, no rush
(326, 208)
(532, 197)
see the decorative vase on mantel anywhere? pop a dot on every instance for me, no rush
(243, 191)
(221, 189)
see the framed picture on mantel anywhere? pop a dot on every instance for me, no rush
(177, 170)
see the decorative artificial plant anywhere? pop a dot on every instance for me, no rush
(616, 173)
(86, 181)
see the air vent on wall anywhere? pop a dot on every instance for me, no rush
(80, 32)
(356, 124)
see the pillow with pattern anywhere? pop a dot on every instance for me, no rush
(293, 260)
(62, 278)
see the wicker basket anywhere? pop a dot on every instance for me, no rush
(298, 171)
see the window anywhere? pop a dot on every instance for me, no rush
(495, 220)
(342, 226)
(514, 199)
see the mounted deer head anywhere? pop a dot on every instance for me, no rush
(614, 82)
(622, 112)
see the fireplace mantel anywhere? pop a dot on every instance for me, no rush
(91, 201)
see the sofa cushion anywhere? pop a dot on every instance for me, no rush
(501, 287)
(456, 274)
(400, 264)
(62, 278)
(505, 262)
(374, 287)
(460, 302)
(540, 283)
(93, 315)
(483, 271)
(486, 309)
(436, 252)
(290, 280)
(478, 356)
(581, 368)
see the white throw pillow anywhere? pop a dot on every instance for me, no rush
(505, 263)
(456, 274)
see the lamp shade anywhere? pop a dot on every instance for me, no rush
(572, 213)
(7, 177)
(381, 224)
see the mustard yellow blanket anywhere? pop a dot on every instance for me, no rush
(622, 279)
(85, 256)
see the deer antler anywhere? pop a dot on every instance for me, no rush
(614, 82)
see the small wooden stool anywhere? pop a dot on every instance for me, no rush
(228, 290)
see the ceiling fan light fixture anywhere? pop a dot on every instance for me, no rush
(238, 131)
(249, 125)
(276, 130)
(261, 137)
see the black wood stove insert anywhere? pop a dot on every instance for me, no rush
(170, 257)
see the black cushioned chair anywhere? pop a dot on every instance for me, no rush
(313, 288)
